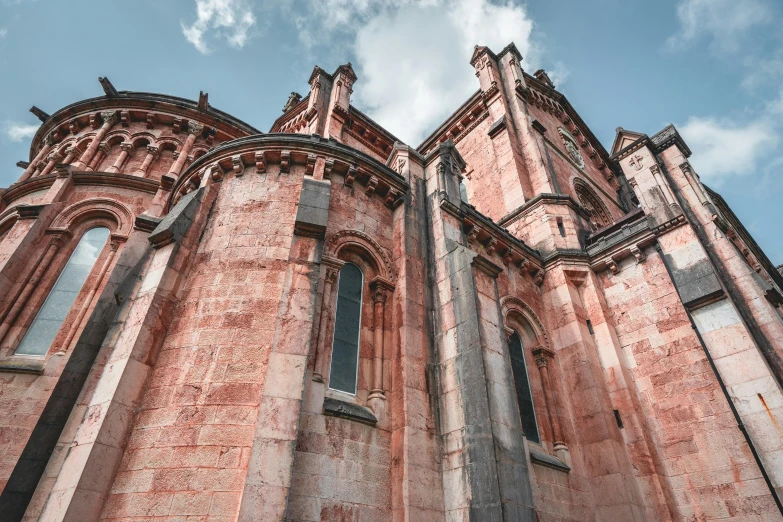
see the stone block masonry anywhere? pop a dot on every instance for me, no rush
(521, 324)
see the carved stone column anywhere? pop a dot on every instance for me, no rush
(194, 131)
(333, 267)
(152, 153)
(47, 146)
(542, 357)
(51, 161)
(109, 118)
(103, 151)
(378, 290)
(120, 161)
(18, 304)
(70, 153)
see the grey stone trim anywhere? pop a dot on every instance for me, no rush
(312, 213)
(346, 410)
(177, 222)
(538, 457)
(497, 126)
(22, 365)
(696, 283)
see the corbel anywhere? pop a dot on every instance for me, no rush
(372, 183)
(237, 165)
(150, 120)
(491, 246)
(350, 176)
(125, 118)
(177, 125)
(94, 121)
(612, 266)
(285, 161)
(508, 257)
(310, 165)
(215, 172)
(73, 126)
(328, 166)
(638, 253)
(260, 162)
(393, 198)
(538, 277)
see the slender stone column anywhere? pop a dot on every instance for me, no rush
(47, 146)
(327, 312)
(379, 306)
(51, 161)
(194, 130)
(152, 153)
(21, 300)
(103, 151)
(88, 300)
(120, 161)
(109, 118)
(542, 357)
(70, 154)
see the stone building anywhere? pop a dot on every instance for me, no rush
(202, 322)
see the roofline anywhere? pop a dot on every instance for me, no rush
(153, 99)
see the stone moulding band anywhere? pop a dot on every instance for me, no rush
(298, 148)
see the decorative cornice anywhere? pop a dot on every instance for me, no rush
(30, 185)
(116, 180)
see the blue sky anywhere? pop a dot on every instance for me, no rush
(714, 68)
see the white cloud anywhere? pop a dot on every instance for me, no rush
(724, 148)
(413, 60)
(3, 32)
(19, 131)
(724, 21)
(229, 19)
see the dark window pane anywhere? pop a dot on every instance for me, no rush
(522, 385)
(347, 323)
(47, 323)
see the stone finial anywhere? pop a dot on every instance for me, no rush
(108, 88)
(543, 77)
(41, 115)
(293, 100)
(203, 101)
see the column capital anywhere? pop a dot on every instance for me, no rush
(109, 117)
(151, 149)
(195, 128)
(126, 146)
(542, 356)
(104, 147)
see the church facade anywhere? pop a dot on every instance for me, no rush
(203, 322)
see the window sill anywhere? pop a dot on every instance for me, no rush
(346, 410)
(539, 457)
(22, 365)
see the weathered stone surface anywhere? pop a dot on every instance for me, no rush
(191, 376)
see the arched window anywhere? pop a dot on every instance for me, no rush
(599, 214)
(522, 386)
(347, 326)
(50, 317)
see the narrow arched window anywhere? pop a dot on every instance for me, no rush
(347, 326)
(522, 386)
(50, 317)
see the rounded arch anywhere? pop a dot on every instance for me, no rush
(168, 144)
(357, 240)
(599, 213)
(141, 139)
(95, 208)
(117, 136)
(514, 309)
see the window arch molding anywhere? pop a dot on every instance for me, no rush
(357, 241)
(587, 197)
(513, 309)
(115, 216)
